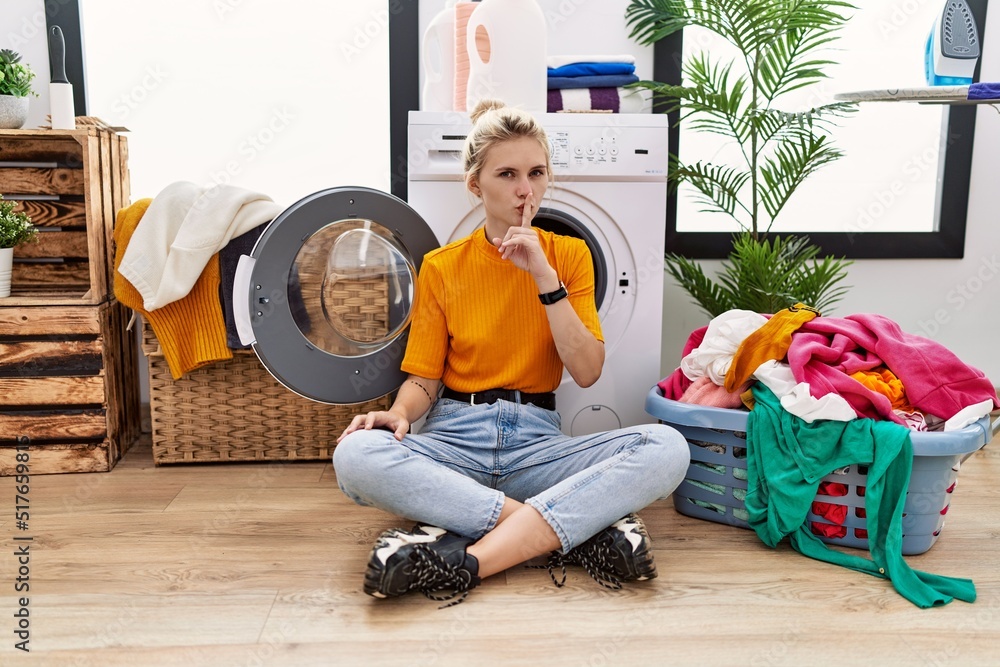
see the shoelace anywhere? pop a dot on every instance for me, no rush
(594, 558)
(434, 574)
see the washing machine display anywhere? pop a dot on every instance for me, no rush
(326, 296)
(610, 189)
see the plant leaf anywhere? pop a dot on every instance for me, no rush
(718, 186)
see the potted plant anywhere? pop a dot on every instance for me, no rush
(15, 229)
(15, 86)
(778, 46)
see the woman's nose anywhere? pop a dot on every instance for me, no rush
(523, 187)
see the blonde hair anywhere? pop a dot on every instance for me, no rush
(494, 122)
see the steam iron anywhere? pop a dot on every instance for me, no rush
(953, 46)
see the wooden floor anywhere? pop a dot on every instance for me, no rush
(262, 565)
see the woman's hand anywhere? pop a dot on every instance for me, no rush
(391, 421)
(520, 244)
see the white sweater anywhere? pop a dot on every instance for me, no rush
(183, 227)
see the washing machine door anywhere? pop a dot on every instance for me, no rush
(327, 294)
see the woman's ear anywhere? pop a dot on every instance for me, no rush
(472, 183)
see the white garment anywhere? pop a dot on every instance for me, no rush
(796, 399)
(182, 228)
(969, 415)
(715, 354)
(560, 61)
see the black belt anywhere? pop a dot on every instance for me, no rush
(546, 401)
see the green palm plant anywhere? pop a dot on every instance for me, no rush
(777, 42)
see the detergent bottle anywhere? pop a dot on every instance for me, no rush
(438, 58)
(507, 44)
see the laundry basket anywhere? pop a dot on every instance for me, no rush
(716, 481)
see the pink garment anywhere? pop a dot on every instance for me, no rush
(674, 385)
(827, 350)
(705, 392)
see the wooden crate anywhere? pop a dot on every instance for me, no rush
(68, 387)
(72, 183)
(235, 410)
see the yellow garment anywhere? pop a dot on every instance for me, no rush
(883, 381)
(191, 330)
(478, 323)
(771, 341)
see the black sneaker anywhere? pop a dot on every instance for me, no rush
(621, 552)
(426, 559)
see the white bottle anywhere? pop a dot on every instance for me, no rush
(438, 58)
(513, 35)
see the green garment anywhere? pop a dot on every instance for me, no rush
(787, 458)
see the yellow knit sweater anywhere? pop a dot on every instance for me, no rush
(192, 330)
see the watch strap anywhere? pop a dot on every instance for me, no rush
(551, 297)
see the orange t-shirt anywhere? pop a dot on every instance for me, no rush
(478, 324)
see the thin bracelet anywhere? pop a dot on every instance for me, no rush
(426, 393)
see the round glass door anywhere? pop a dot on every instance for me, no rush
(331, 292)
(352, 288)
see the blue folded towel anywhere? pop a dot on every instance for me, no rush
(980, 91)
(592, 69)
(604, 81)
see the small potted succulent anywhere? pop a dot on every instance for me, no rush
(15, 229)
(15, 87)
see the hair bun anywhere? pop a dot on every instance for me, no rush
(484, 105)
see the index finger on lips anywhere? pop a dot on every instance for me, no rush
(526, 214)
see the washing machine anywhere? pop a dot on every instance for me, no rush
(326, 295)
(610, 189)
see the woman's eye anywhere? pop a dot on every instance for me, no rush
(538, 172)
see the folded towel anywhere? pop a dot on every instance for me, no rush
(609, 81)
(984, 91)
(616, 100)
(185, 226)
(592, 69)
(559, 61)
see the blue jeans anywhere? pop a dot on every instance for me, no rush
(468, 458)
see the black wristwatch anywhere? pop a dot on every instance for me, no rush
(551, 297)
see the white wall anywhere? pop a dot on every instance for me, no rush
(23, 29)
(284, 98)
(203, 91)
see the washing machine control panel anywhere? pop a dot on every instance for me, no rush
(606, 152)
(583, 146)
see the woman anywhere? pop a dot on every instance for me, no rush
(498, 315)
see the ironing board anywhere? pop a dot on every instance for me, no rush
(955, 95)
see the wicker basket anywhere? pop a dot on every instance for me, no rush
(236, 411)
(716, 481)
